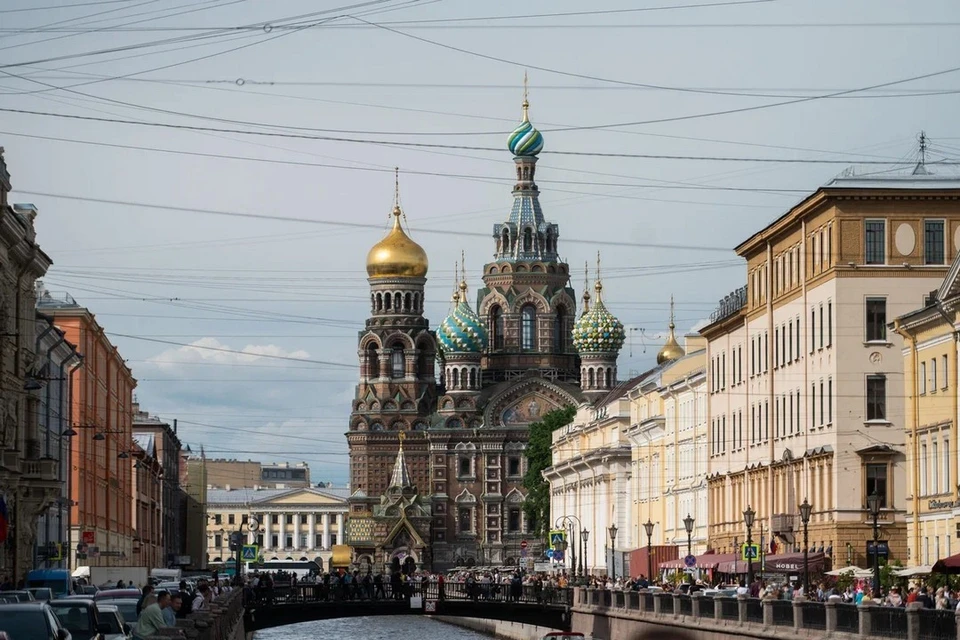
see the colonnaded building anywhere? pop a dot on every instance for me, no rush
(437, 466)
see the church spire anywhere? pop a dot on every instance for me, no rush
(401, 476)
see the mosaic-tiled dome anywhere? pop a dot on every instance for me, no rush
(525, 139)
(598, 330)
(462, 331)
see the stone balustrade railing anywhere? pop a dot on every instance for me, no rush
(222, 620)
(769, 617)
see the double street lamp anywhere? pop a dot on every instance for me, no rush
(805, 510)
(613, 551)
(873, 506)
(749, 516)
(567, 524)
(648, 527)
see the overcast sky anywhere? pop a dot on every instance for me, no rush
(129, 212)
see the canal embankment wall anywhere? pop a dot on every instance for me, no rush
(498, 628)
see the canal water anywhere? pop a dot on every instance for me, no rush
(370, 628)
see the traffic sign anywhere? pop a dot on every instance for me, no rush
(557, 538)
(750, 552)
(523, 544)
(249, 553)
(558, 555)
(690, 561)
(89, 537)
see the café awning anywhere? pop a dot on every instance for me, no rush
(707, 561)
(780, 563)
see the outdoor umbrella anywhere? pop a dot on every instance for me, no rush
(845, 570)
(949, 565)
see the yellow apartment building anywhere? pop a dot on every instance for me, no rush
(805, 379)
(930, 388)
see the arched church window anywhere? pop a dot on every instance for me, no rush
(408, 302)
(496, 324)
(465, 519)
(379, 302)
(425, 363)
(416, 302)
(473, 378)
(527, 240)
(528, 317)
(386, 300)
(590, 378)
(505, 243)
(396, 361)
(609, 378)
(373, 361)
(463, 378)
(560, 329)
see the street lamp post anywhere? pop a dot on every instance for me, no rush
(805, 510)
(567, 524)
(873, 506)
(584, 537)
(613, 551)
(748, 519)
(688, 524)
(648, 527)
(252, 525)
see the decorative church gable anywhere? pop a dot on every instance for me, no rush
(526, 403)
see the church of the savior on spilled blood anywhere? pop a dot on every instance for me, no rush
(437, 461)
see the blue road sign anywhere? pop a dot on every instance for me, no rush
(690, 561)
(249, 553)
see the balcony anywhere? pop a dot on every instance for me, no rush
(44, 469)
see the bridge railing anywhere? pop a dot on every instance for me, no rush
(815, 619)
(319, 592)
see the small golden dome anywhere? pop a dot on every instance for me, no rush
(671, 348)
(397, 256)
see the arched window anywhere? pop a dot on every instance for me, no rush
(425, 363)
(408, 302)
(505, 243)
(416, 302)
(528, 318)
(527, 240)
(496, 325)
(473, 378)
(397, 361)
(379, 302)
(463, 378)
(373, 361)
(609, 378)
(386, 300)
(560, 330)
(590, 378)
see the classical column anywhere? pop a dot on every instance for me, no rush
(312, 526)
(296, 531)
(326, 531)
(282, 531)
(340, 530)
(266, 531)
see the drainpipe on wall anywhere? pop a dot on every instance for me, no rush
(915, 445)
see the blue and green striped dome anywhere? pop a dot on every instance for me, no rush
(462, 331)
(598, 331)
(525, 139)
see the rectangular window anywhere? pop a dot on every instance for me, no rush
(776, 417)
(333, 539)
(218, 519)
(797, 405)
(753, 356)
(783, 345)
(798, 338)
(813, 405)
(464, 467)
(876, 245)
(289, 519)
(318, 541)
(766, 420)
(821, 403)
(829, 400)
(933, 244)
(776, 347)
(218, 541)
(813, 329)
(513, 466)
(876, 318)
(289, 541)
(946, 467)
(876, 476)
(923, 469)
(821, 325)
(231, 519)
(790, 350)
(922, 378)
(935, 467)
(876, 397)
(513, 521)
(946, 372)
(723, 431)
(765, 353)
(829, 323)
(791, 414)
(933, 375)
(723, 370)
(753, 425)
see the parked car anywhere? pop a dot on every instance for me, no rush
(21, 595)
(31, 621)
(79, 617)
(109, 594)
(112, 623)
(126, 606)
(89, 589)
(41, 593)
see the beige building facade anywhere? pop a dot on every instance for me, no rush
(668, 438)
(805, 379)
(297, 524)
(930, 348)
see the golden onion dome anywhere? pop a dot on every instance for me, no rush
(671, 349)
(397, 256)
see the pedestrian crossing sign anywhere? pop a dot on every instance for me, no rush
(249, 553)
(558, 539)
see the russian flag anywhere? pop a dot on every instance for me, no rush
(4, 520)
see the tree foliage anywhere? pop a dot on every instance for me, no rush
(539, 457)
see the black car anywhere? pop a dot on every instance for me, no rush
(31, 621)
(79, 617)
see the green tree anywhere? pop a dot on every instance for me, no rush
(539, 457)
